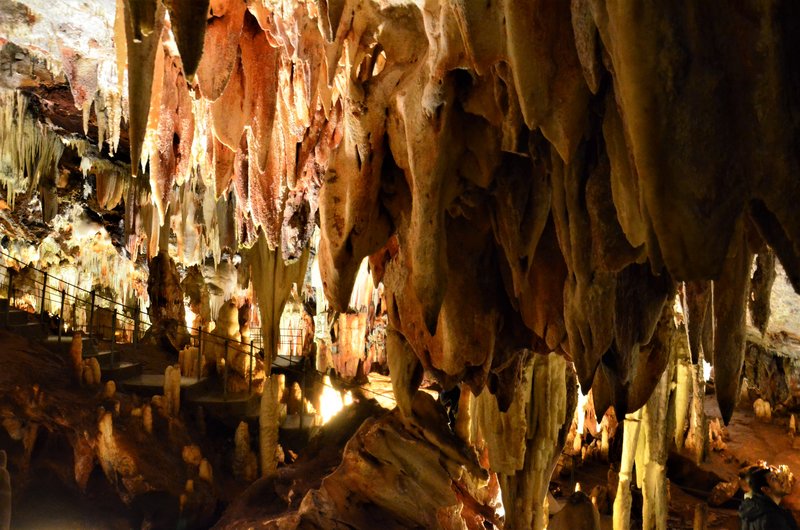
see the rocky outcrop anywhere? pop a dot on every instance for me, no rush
(772, 371)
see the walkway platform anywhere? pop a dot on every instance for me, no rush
(152, 384)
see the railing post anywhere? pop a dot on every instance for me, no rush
(61, 315)
(250, 383)
(91, 315)
(113, 333)
(44, 294)
(199, 351)
(225, 373)
(136, 327)
(10, 290)
(303, 399)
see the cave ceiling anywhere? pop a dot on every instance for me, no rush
(522, 175)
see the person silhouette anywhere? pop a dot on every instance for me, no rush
(762, 511)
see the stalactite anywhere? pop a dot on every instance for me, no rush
(761, 288)
(188, 18)
(730, 300)
(272, 283)
(29, 152)
(144, 20)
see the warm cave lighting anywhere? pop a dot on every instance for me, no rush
(331, 401)
(498, 503)
(706, 370)
(189, 316)
(580, 410)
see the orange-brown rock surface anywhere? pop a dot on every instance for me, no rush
(524, 176)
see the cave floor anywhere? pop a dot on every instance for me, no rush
(45, 505)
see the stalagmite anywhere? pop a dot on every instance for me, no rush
(191, 455)
(578, 513)
(269, 421)
(106, 445)
(681, 357)
(205, 472)
(147, 419)
(172, 390)
(188, 361)
(792, 425)
(76, 356)
(544, 402)
(404, 368)
(700, 516)
(91, 375)
(698, 422)
(507, 169)
(651, 457)
(245, 465)
(763, 410)
(109, 390)
(630, 440)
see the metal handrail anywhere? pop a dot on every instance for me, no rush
(136, 312)
(130, 310)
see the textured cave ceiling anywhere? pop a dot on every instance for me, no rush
(522, 175)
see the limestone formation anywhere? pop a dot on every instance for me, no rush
(205, 472)
(270, 417)
(762, 410)
(76, 356)
(191, 455)
(172, 390)
(245, 464)
(147, 419)
(700, 521)
(531, 182)
(109, 390)
(91, 375)
(189, 362)
(578, 513)
(623, 499)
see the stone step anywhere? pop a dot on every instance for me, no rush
(103, 357)
(152, 384)
(17, 316)
(230, 408)
(121, 372)
(29, 330)
(51, 342)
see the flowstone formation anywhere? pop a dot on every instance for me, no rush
(532, 182)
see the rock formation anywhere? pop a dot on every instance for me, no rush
(537, 185)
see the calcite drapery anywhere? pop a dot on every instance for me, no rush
(546, 173)
(520, 144)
